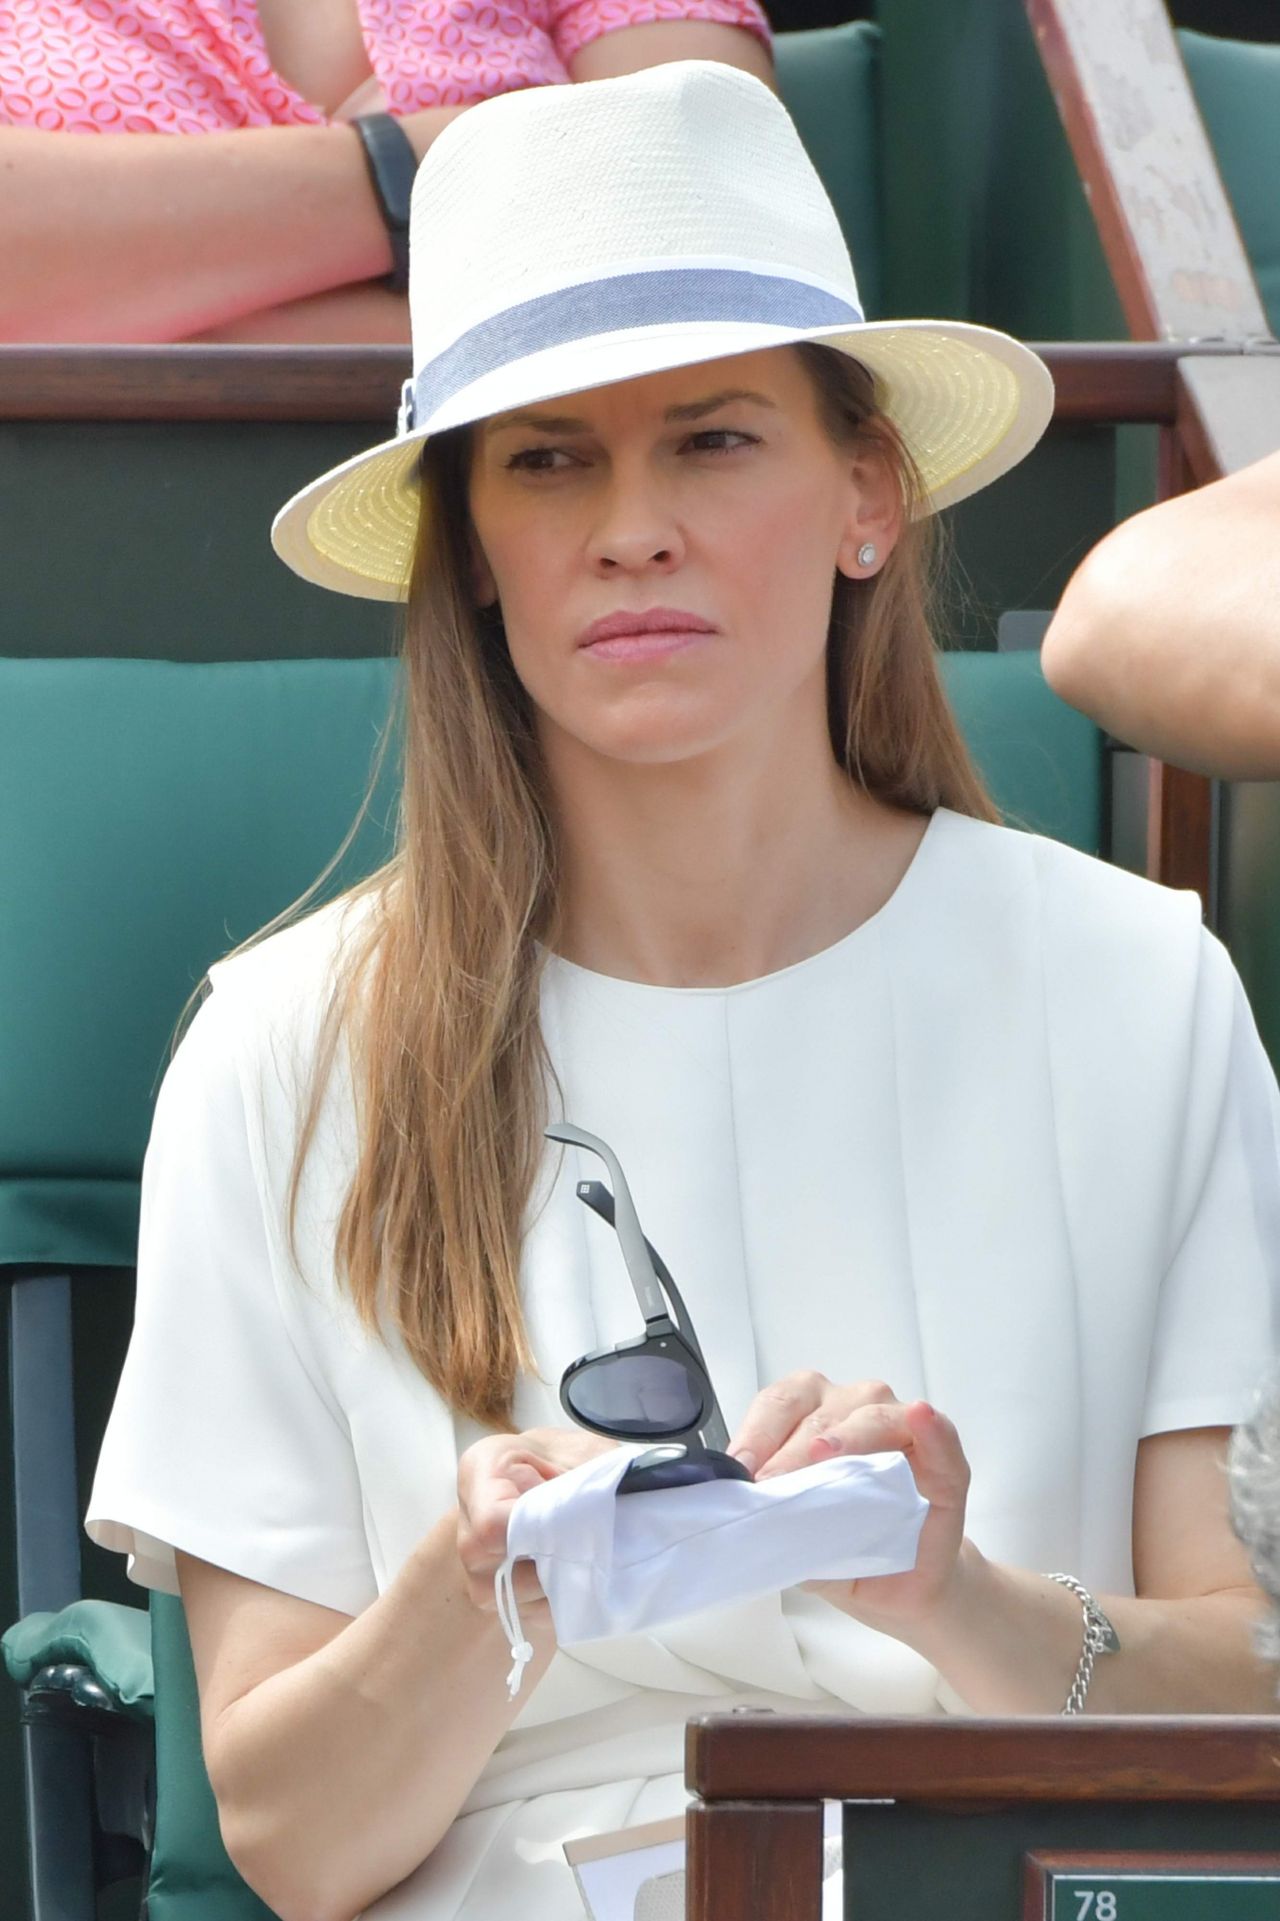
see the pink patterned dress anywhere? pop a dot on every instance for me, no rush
(201, 66)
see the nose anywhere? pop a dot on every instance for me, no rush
(637, 531)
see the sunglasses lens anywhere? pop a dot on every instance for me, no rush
(636, 1395)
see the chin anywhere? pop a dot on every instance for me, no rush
(655, 746)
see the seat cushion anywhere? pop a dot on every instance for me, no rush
(152, 814)
(113, 1641)
(1042, 761)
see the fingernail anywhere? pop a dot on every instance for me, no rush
(744, 1455)
(822, 1446)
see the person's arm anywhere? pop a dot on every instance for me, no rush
(1005, 1639)
(1009, 1642)
(340, 1749)
(1168, 634)
(161, 237)
(650, 44)
(371, 312)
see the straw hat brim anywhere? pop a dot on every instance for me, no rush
(969, 403)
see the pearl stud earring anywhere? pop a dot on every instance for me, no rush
(867, 554)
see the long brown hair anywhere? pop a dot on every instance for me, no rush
(439, 992)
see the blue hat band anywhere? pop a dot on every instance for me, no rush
(668, 296)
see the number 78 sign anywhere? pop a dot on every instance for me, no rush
(1152, 1887)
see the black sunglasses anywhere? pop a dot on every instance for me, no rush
(656, 1387)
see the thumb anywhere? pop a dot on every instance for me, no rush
(936, 1456)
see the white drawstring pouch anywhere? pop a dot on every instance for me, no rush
(612, 1566)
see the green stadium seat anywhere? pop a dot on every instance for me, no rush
(1044, 763)
(829, 82)
(984, 216)
(151, 815)
(1237, 88)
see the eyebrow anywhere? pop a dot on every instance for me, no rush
(687, 410)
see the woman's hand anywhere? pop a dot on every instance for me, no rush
(492, 1475)
(806, 1418)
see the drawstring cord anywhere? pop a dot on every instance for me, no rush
(504, 1593)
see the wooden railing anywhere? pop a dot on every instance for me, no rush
(755, 1827)
(1099, 383)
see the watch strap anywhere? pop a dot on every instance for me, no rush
(392, 164)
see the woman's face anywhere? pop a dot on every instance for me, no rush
(664, 550)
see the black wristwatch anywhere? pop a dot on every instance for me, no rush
(392, 163)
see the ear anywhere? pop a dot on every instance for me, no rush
(484, 588)
(876, 513)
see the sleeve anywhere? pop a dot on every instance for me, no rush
(1219, 1305)
(574, 23)
(223, 1440)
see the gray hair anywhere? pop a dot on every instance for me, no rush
(1253, 1463)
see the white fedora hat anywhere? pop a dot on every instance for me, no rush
(568, 237)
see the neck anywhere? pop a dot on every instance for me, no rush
(721, 868)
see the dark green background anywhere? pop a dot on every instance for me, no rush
(906, 1863)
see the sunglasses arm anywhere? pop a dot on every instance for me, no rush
(635, 1248)
(643, 1264)
(596, 1196)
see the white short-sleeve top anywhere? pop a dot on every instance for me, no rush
(1010, 1146)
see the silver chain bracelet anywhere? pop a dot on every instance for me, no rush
(1099, 1638)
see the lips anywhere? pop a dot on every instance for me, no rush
(653, 621)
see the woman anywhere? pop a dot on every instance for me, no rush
(693, 857)
(266, 228)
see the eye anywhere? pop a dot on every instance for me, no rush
(716, 440)
(539, 460)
